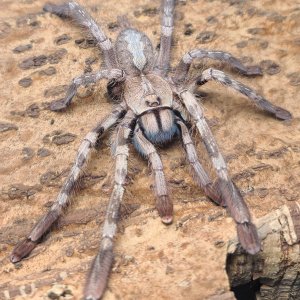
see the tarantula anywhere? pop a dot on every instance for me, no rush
(155, 106)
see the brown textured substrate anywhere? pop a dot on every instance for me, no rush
(40, 54)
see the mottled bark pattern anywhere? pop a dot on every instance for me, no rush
(276, 267)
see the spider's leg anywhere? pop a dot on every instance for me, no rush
(164, 204)
(211, 189)
(167, 26)
(100, 269)
(61, 104)
(219, 76)
(183, 67)
(63, 199)
(236, 205)
(73, 10)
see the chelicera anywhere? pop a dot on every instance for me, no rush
(155, 105)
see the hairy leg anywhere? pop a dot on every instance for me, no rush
(63, 199)
(236, 205)
(61, 104)
(183, 67)
(211, 189)
(73, 10)
(101, 266)
(167, 25)
(219, 76)
(163, 203)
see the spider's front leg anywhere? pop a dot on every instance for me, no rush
(261, 102)
(61, 104)
(24, 248)
(184, 65)
(167, 26)
(236, 205)
(101, 266)
(164, 204)
(73, 10)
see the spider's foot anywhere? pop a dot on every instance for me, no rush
(98, 275)
(282, 114)
(165, 209)
(253, 71)
(49, 7)
(22, 250)
(248, 237)
(277, 111)
(167, 220)
(58, 105)
(59, 10)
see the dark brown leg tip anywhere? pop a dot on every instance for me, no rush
(283, 114)
(167, 220)
(22, 250)
(254, 71)
(58, 105)
(248, 237)
(48, 7)
(164, 207)
(99, 272)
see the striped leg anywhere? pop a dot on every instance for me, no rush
(73, 10)
(167, 25)
(28, 244)
(211, 189)
(183, 67)
(236, 205)
(219, 76)
(163, 204)
(98, 275)
(61, 104)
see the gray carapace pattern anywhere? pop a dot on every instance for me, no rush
(155, 104)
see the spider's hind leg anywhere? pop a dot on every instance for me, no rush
(100, 269)
(235, 203)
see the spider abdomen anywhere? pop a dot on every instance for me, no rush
(134, 52)
(158, 126)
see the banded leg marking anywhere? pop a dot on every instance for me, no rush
(211, 189)
(163, 203)
(183, 67)
(167, 26)
(59, 105)
(24, 248)
(73, 10)
(236, 205)
(219, 76)
(100, 269)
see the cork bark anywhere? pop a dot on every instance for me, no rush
(276, 268)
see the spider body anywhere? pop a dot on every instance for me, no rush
(153, 107)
